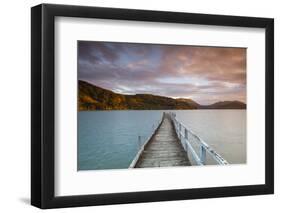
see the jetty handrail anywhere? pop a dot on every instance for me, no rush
(135, 160)
(183, 134)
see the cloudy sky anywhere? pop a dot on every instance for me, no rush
(204, 74)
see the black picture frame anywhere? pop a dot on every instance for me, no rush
(43, 101)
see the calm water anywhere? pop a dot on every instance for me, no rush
(109, 139)
(223, 130)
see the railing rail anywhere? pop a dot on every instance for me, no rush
(184, 133)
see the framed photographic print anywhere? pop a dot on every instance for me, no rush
(139, 106)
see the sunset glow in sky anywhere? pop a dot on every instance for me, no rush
(204, 74)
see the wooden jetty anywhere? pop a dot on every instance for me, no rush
(163, 149)
(170, 145)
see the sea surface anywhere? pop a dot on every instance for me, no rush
(111, 139)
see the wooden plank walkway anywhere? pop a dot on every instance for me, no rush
(164, 148)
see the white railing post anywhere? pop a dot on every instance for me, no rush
(180, 131)
(186, 138)
(177, 127)
(139, 141)
(202, 154)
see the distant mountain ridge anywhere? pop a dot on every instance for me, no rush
(92, 97)
(225, 105)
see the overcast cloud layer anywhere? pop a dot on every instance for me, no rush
(205, 74)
